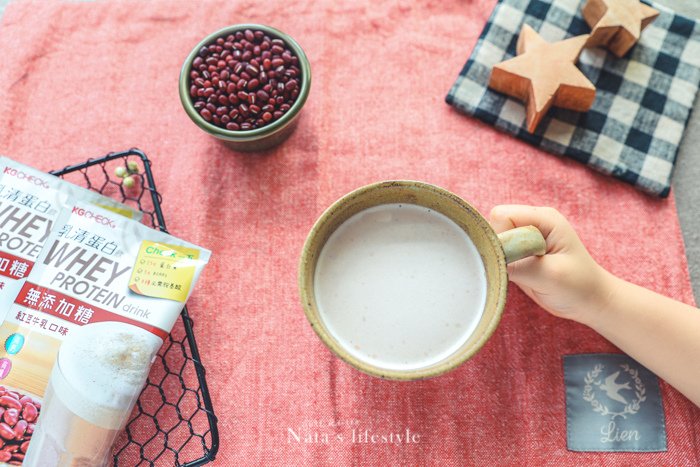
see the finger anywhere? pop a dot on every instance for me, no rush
(528, 272)
(508, 216)
(499, 219)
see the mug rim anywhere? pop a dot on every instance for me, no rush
(313, 314)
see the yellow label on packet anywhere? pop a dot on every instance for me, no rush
(122, 211)
(163, 271)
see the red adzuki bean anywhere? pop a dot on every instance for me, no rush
(18, 412)
(242, 81)
(11, 416)
(20, 428)
(30, 413)
(10, 402)
(6, 432)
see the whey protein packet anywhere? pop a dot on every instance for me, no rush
(95, 267)
(30, 201)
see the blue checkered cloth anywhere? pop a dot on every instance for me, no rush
(642, 104)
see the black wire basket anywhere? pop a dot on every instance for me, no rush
(173, 422)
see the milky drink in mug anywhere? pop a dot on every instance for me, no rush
(400, 286)
(405, 280)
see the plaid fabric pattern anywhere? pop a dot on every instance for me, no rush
(642, 104)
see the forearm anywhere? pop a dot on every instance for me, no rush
(660, 333)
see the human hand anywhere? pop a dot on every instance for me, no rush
(657, 331)
(566, 281)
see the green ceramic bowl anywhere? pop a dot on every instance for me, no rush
(258, 139)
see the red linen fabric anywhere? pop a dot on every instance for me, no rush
(80, 79)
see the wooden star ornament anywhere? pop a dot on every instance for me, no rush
(617, 24)
(544, 75)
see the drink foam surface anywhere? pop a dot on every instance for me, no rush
(104, 366)
(400, 286)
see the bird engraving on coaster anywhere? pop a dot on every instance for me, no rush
(612, 388)
(617, 24)
(543, 75)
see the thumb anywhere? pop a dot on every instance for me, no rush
(534, 271)
(500, 220)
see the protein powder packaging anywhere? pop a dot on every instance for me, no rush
(106, 291)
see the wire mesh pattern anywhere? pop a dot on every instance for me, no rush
(173, 422)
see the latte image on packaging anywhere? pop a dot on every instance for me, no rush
(100, 371)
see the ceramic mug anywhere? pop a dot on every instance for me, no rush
(495, 250)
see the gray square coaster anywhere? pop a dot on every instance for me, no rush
(612, 404)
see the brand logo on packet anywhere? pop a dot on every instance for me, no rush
(33, 179)
(612, 404)
(97, 218)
